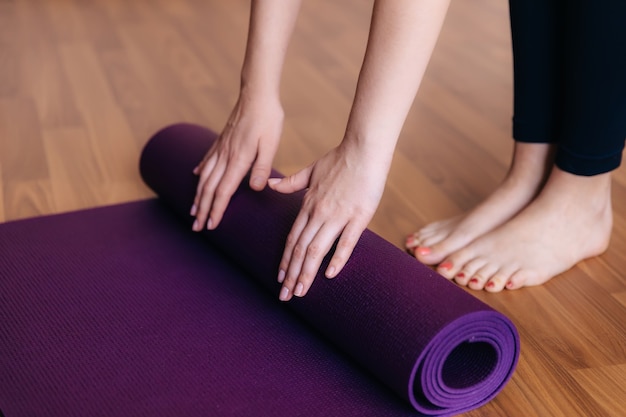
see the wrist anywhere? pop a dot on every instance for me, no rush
(371, 146)
(368, 152)
(262, 103)
(259, 84)
(253, 94)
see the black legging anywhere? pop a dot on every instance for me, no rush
(569, 62)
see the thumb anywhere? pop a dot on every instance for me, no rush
(296, 182)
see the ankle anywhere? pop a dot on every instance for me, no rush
(587, 196)
(596, 189)
(530, 167)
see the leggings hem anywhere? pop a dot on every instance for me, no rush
(585, 165)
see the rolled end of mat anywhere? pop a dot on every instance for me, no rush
(466, 365)
(435, 345)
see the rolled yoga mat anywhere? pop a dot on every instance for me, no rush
(124, 311)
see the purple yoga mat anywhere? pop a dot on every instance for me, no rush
(123, 311)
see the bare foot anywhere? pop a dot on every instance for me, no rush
(528, 172)
(570, 220)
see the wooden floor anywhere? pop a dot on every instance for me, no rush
(83, 84)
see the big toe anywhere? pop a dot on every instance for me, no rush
(436, 253)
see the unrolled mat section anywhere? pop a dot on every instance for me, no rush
(124, 311)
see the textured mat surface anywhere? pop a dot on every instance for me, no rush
(123, 311)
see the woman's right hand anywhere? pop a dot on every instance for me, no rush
(249, 140)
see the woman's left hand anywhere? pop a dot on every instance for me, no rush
(344, 189)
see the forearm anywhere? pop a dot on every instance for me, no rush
(271, 25)
(402, 36)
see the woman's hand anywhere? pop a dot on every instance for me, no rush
(344, 189)
(249, 140)
(345, 186)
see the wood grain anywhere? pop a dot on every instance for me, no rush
(83, 84)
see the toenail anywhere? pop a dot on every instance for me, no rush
(491, 284)
(509, 284)
(445, 265)
(460, 275)
(474, 281)
(422, 250)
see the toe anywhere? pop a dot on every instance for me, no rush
(477, 282)
(432, 254)
(435, 227)
(467, 271)
(517, 280)
(498, 281)
(424, 234)
(420, 252)
(447, 269)
(482, 277)
(454, 264)
(462, 278)
(419, 239)
(411, 241)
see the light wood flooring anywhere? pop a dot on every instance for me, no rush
(84, 83)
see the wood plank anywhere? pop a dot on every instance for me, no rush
(545, 388)
(76, 178)
(21, 148)
(445, 156)
(65, 20)
(415, 188)
(27, 198)
(99, 27)
(46, 82)
(145, 111)
(42, 77)
(594, 381)
(117, 152)
(2, 216)
(620, 297)
(9, 71)
(147, 60)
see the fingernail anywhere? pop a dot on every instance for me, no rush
(273, 181)
(460, 275)
(257, 181)
(196, 225)
(330, 273)
(299, 290)
(474, 281)
(281, 276)
(445, 265)
(422, 250)
(193, 211)
(195, 170)
(284, 293)
(209, 224)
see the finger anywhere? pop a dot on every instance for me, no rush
(347, 242)
(296, 182)
(206, 194)
(297, 241)
(204, 171)
(225, 189)
(315, 253)
(200, 165)
(262, 166)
